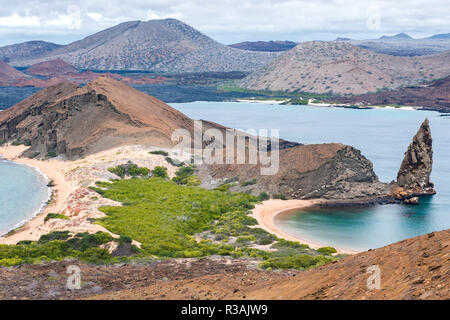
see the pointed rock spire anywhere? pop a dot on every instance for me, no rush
(414, 173)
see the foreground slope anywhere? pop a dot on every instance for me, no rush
(338, 67)
(416, 268)
(159, 45)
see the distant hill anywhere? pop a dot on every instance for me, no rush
(51, 68)
(167, 45)
(404, 45)
(399, 36)
(339, 67)
(26, 50)
(269, 46)
(432, 96)
(9, 74)
(442, 36)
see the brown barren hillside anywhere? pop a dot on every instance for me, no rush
(160, 45)
(416, 268)
(52, 68)
(10, 74)
(433, 96)
(339, 67)
(105, 113)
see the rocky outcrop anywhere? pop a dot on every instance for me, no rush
(328, 171)
(414, 174)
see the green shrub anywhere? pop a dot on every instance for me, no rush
(129, 169)
(182, 175)
(295, 262)
(10, 262)
(16, 143)
(327, 250)
(245, 239)
(248, 183)
(174, 162)
(55, 216)
(55, 235)
(160, 152)
(160, 172)
(193, 181)
(263, 196)
(52, 154)
(279, 196)
(34, 155)
(282, 243)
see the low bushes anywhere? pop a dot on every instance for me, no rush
(130, 170)
(160, 172)
(327, 250)
(56, 216)
(57, 246)
(303, 261)
(159, 152)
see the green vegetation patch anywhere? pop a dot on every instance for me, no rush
(59, 245)
(160, 152)
(164, 216)
(327, 250)
(296, 101)
(56, 216)
(248, 183)
(169, 220)
(129, 170)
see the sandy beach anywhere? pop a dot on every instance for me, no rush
(70, 193)
(72, 197)
(266, 212)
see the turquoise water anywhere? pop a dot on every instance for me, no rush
(382, 135)
(23, 192)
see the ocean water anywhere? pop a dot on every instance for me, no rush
(382, 135)
(23, 192)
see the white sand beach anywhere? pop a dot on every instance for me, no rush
(266, 212)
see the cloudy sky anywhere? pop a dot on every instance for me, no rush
(227, 21)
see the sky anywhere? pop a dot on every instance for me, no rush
(227, 21)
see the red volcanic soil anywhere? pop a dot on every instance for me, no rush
(52, 68)
(10, 74)
(40, 83)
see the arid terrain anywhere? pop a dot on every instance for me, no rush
(416, 268)
(430, 96)
(166, 45)
(340, 68)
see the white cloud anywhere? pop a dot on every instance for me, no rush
(232, 20)
(70, 20)
(95, 16)
(14, 20)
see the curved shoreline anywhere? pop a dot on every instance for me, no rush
(60, 192)
(40, 175)
(266, 212)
